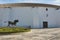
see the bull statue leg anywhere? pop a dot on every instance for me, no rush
(9, 23)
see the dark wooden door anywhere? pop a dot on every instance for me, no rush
(45, 24)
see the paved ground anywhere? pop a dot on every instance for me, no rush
(35, 34)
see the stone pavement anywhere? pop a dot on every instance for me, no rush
(35, 34)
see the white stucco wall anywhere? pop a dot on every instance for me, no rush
(4, 16)
(58, 17)
(24, 15)
(50, 18)
(35, 16)
(29, 16)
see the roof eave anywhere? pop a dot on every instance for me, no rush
(28, 4)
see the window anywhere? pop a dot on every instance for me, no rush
(57, 8)
(46, 9)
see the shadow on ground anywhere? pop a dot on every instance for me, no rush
(6, 33)
(46, 28)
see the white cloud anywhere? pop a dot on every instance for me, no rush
(30, 1)
(57, 2)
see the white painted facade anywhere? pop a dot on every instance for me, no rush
(29, 16)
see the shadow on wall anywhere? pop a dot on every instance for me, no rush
(46, 28)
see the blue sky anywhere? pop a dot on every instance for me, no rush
(55, 2)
